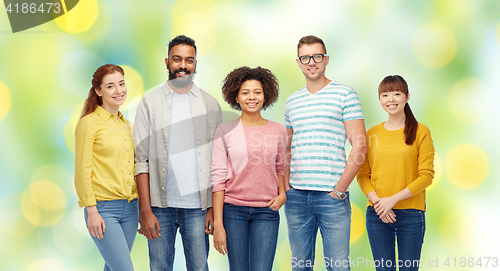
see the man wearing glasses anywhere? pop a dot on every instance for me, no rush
(319, 118)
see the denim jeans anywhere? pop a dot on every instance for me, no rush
(191, 225)
(306, 211)
(121, 219)
(252, 234)
(409, 229)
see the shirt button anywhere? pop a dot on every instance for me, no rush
(129, 185)
(168, 117)
(163, 187)
(129, 173)
(129, 161)
(163, 169)
(127, 150)
(125, 139)
(164, 151)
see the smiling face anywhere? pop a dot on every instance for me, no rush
(312, 70)
(251, 97)
(113, 91)
(181, 65)
(394, 102)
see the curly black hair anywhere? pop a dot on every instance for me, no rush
(233, 81)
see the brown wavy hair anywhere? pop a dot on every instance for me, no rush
(310, 40)
(94, 100)
(397, 83)
(233, 81)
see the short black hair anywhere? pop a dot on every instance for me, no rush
(233, 81)
(181, 39)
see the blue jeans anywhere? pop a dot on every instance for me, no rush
(252, 234)
(306, 211)
(121, 219)
(409, 229)
(191, 225)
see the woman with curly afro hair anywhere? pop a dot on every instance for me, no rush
(248, 166)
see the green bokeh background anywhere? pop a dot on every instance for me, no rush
(448, 51)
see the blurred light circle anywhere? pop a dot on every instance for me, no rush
(471, 100)
(5, 100)
(30, 209)
(438, 172)
(76, 71)
(434, 45)
(47, 195)
(357, 223)
(47, 264)
(81, 18)
(43, 203)
(455, 231)
(68, 241)
(197, 22)
(69, 128)
(17, 225)
(135, 85)
(467, 166)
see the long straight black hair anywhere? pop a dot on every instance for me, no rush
(397, 83)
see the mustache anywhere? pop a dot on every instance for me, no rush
(181, 70)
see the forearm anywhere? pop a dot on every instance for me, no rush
(218, 206)
(288, 157)
(354, 162)
(401, 195)
(143, 189)
(286, 178)
(281, 185)
(373, 196)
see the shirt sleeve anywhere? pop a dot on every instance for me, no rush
(351, 108)
(280, 157)
(288, 125)
(84, 143)
(364, 176)
(220, 163)
(141, 137)
(425, 162)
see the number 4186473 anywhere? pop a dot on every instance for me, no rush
(32, 8)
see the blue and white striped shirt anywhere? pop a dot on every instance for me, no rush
(319, 137)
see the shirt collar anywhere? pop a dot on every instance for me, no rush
(195, 91)
(105, 115)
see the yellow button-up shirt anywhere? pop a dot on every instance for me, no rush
(104, 164)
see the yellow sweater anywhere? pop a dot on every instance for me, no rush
(391, 165)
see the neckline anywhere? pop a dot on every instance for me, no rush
(239, 121)
(383, 126)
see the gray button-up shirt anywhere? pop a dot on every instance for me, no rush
(151, 135)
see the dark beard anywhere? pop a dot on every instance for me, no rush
(180, 82)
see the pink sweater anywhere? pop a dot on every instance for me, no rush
(246, 162)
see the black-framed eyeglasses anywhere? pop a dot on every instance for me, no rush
(318, 58)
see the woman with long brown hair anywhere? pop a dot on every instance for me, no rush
(104, 169)
(399, 166)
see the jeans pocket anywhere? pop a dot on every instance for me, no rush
(411, 211)
(101, 204)
(328, 193)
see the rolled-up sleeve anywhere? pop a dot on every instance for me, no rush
(84, 142)
(142, 136)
